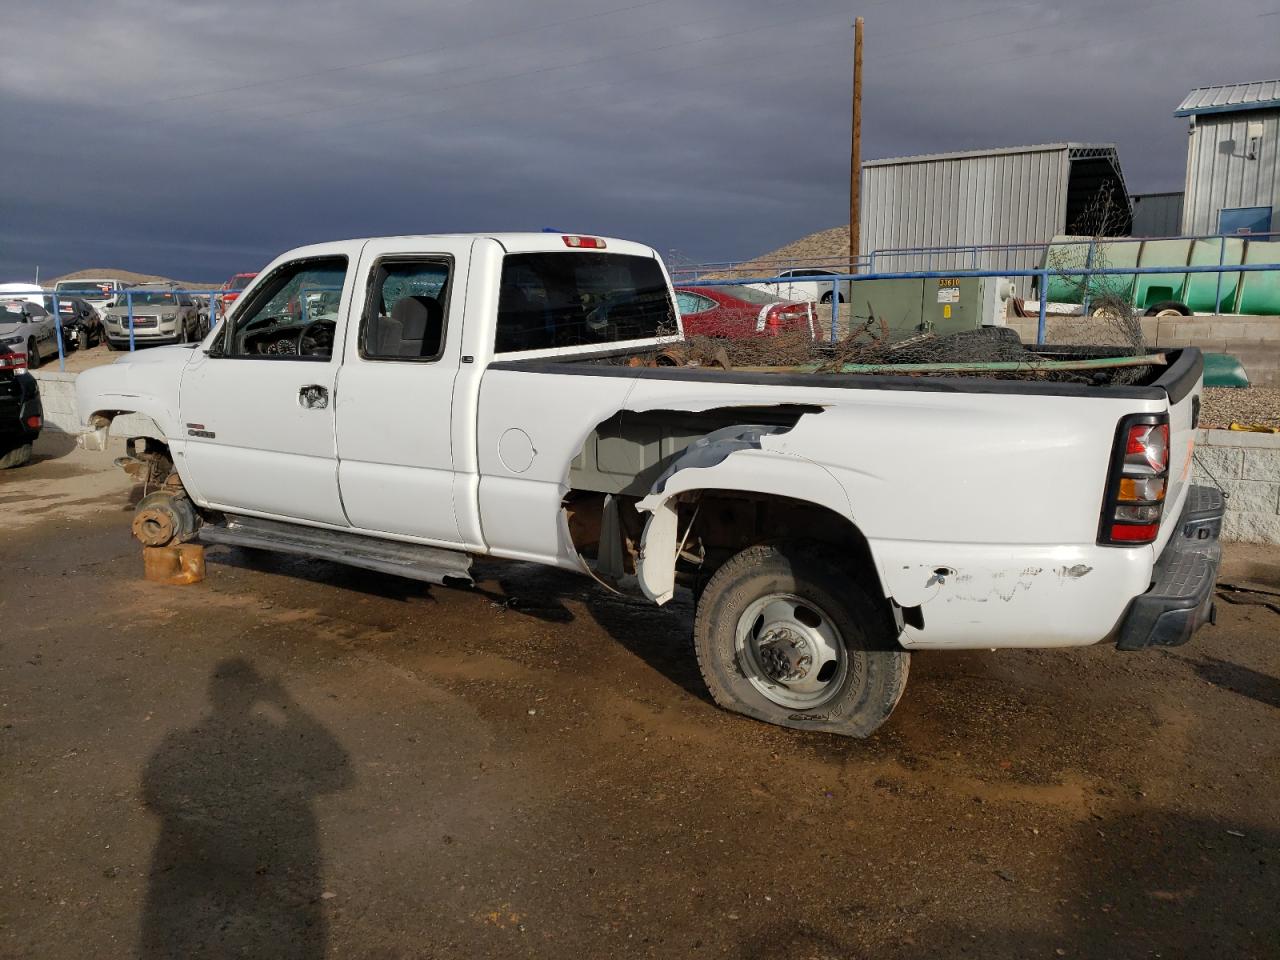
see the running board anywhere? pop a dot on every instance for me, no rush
(417, 562)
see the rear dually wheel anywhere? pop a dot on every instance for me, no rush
(786, 635)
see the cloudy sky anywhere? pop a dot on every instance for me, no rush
(197, 139)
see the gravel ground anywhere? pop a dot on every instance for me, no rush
(296, 760)
(1224, 405)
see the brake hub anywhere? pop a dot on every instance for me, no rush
(785, 655)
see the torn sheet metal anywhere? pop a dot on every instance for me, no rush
(740, 457)
(715, 447)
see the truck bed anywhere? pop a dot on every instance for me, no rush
(1174, 380)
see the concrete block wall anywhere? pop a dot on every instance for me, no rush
(1255, 340)
(1246, 466)
(58, 397)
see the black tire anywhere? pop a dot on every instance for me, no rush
(826, 298)
(33, 355)
(1168, 305)
(15, 456)
(875, 667)
(113, 346)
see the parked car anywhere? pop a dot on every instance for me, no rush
(27, 327)
(21, 415)
(29, 292)
(161, 314)
(806, 283)
(81, 325)
(233, 288)
(739, 311)
(102, 292)
(463, 402)
(205, 311)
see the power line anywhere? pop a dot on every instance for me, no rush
(884, 56)
(404, 56)
(551, 68)
(383, 98)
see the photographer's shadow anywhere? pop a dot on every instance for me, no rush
(237, 870)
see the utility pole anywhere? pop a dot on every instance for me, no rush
(855, 155)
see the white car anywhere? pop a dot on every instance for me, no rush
(28, 292)
(27, 327)
(101, 292)
(806, 283)
(466, 398)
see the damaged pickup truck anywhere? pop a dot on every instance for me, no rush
(406, 404)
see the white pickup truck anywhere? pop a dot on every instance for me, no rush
(405, 404)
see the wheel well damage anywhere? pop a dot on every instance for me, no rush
(651, 505)
(102, 425)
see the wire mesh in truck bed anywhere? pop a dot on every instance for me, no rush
(986, 352)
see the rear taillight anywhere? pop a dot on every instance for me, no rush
(13, 361)
(34, 423)
(1138, 481)
(584, 243)
(785, 316)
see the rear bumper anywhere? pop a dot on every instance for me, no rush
(1180, 600)
(15, 414)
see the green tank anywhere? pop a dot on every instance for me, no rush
(1260, 290)
(1202, 288)
(1254, 293)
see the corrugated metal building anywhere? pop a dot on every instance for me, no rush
(1009, 195)
(1233, 158)
(1157, 214)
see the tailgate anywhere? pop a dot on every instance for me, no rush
(1183, 382)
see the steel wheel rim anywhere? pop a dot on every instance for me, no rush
(790, 651)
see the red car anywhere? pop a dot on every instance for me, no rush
(231, 289)
(740, 311)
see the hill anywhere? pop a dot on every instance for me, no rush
(826, 248)
(829, 245)
(129, 276)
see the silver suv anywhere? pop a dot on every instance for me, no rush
(161, 314)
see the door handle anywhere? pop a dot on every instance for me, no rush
(313, 397)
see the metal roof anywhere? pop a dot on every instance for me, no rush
(1076, 150)
(1231, 97)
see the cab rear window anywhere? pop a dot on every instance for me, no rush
(580, 299)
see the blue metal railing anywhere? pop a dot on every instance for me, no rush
(54, 295)
(935, 257)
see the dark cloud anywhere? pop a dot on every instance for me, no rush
(199, 139)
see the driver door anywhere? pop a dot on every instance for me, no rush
(257, 403)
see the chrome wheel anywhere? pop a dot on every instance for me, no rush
(790, 651)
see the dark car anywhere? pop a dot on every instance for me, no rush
(21, 415)
(81, 326)
(740, 311)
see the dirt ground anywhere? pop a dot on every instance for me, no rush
(294, 759)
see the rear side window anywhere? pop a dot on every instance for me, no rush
(689, 303)
(580, 299)
(404, 318)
